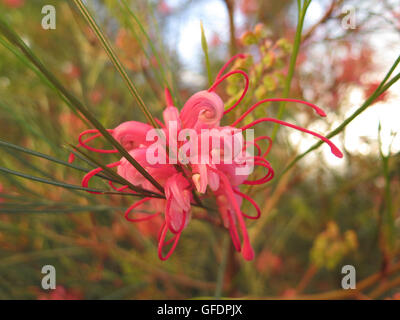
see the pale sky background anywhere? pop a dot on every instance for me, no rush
(214, 16)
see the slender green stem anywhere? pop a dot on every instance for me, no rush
(31, 66)
(54, 183)
(388, 216)
(61, 184)
(168, 63)
(150, 42)
(15, 209)
(158, 72)
(115, 60)
(40, 155)
(222, 266)
(204, 45)
(292, 65)
(387, 76)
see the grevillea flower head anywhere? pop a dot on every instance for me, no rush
(199, 119)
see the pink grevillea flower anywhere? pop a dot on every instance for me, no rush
(201, 120)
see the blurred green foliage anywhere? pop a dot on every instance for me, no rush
(314, 219)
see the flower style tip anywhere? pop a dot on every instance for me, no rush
(335, 150)
(248, 252)
(71, 158)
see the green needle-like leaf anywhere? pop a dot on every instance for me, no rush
(26, 61)
(54, 183)
(75, 103)
(152, 47)
(293, 58)
(204, 45)
(40, 155)
(115, 60)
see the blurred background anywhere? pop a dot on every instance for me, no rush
(321, 214)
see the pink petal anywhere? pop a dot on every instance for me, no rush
(203, 110)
